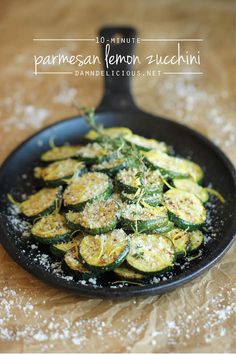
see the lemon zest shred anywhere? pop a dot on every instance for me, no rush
(215, 193)
(13, 201)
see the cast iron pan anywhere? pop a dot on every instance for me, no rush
(118, 109)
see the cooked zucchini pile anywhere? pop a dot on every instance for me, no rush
(121, 203)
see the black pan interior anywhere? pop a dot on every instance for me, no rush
(16, 178)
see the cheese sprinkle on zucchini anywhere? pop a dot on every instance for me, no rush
(120, 204)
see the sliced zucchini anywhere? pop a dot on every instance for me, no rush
(166, 228)
(89, 187)
(57, 172)
(193, 169)
(151, 253)
(60, 153)
(188, 184)
(42, 203)
(131, 180)
(169, 166)
(111, 167)
(104, 252)
(59, 249)
(153, 200)
(180, 239)
(74, 265)
(96, 218)
(136, 218)
(51, 229)
(93, 153)
(185, 209)
(112, 133)
(146, 144)
(125, 272)
(173, 167)
(196, 240)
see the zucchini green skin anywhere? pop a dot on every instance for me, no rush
(136, 257)
(166, 228)
(173, 167)
(110, 171)
(92, 160)
(159, 145)
(136, 218)
(80, 206)
(177, 202)
(191, 186)
(53, 240)
(168, 174)
(75, 169)
(127, 273)
(50, 209)
(181, 243)
(60, 252)
(67, 152)
(144, 225)
(61, 182)
(196, 239)
(90, 187)
(55, 251)
(51, 229)
(95, 231)
(114, 132)
(110, 267)
(76, 268)
(102, 268)
(182, 223)
(55, 183)
(131, 189)
(152, 200)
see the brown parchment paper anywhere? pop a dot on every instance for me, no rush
(198, 317)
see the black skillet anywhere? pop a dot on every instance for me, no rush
(118, 109)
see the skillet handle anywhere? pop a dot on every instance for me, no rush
(117, 96)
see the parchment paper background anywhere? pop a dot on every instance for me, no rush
(200, 316)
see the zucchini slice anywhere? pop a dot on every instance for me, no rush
(96, 218)
(89, 187)
(151, 253)
(104, 252)
(180, 239)
(59, 249)
(42, 203)
(129, 181)
(185, 209)
(188, 185)
(127, 273)
(74, 265)
(113, 133)
(136, 218)
(196, 239)
(146, 144)
(193, 169)
(132, 198)
(57, 172)
(166, 228)
(111, 167)
(51, 229)
(92, 153)
(173, 167)
(169, 166)
(60, 153)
